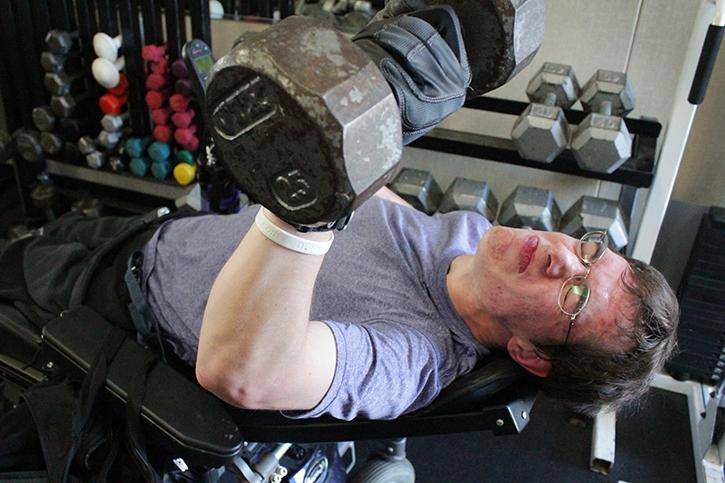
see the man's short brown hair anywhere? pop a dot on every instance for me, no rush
(588, 378)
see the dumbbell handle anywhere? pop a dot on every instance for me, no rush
(112, 122)
(708, 56)
(605, 108)
(551, 99)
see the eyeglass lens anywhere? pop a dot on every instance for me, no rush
(574, 295)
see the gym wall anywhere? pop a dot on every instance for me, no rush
(645, 38)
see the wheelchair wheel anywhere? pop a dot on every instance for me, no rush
(383, 471)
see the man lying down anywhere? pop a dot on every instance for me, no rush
(377, 321)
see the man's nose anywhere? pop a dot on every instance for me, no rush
(563, 263)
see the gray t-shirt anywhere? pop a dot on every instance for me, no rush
(381, 290)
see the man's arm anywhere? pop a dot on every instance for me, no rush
(387, 194)
(257, 347)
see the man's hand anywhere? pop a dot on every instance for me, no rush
(422, 56)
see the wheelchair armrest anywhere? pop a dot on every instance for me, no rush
(175, 409)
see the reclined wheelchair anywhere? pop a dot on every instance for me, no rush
(190, 435)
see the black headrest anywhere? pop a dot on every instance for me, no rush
(195, 422)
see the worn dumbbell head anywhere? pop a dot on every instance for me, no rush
(558, 79)
(418, 188)
(86, 145)
(43, 118)
(50, 142)
(27, 143)
(113, 122)
(109, 139)
(592, 214)
(529, 207)
(501, 36)
(541, 132)
(96, 159)
(60, 83)
(470, 195)
(304, 121)
(602, 142)
(66, 106)
(43, 196)
(60, 41)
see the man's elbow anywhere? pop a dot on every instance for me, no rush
(231, 388)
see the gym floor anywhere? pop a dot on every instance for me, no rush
(653, 446)
(653, 441)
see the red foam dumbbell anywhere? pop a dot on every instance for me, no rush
(110, 104)
(183, 119)
(122, 86)
(163, 133)
(156, 82)
(179, 102)
(160, 67)
(155, 99)
(153, 53)
(186, 138)
(161, 116)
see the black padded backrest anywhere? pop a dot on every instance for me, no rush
(497, 396)
(187, 417)
(471, 391)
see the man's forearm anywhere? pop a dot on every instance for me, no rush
(257, 318)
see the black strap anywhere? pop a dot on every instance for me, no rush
(134, 439)
(80, 289)
(141, 313)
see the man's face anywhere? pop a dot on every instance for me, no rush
(518, 277)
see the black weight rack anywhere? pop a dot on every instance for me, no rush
(638, 172)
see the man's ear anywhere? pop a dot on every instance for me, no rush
(525, 354)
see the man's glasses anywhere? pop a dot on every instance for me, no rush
(574, 293)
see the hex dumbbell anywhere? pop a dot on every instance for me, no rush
(60, 41)
(60, 84)
(114, 122)
(43, 118)
(51, 143)
(56, 62)
(597, 214)
(469, 195)
(27, 144)
(418, 188)
(602, 141)
(67, 105)
(530, 207)
(541, 132)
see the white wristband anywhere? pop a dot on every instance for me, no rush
(290, 240)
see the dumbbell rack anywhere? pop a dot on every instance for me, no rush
(638, 172)
(23, 27)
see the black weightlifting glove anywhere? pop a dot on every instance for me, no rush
(422, 56)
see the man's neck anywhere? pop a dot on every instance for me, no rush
(485, 329)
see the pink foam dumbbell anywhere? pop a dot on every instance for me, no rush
(183, 119)
(179, 102)
(186, 138)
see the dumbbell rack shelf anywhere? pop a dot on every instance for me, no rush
(637, 172)
(159, 189)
